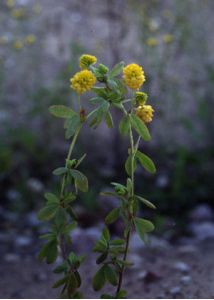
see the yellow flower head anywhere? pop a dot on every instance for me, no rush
(168, 38)
(18, 45)
(145, 113)
(30, 39)
(133, 76)
(152, 42)
(86, 60)
(83, 81)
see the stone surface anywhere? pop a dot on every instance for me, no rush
(202, 212)
(186, 280)
(182, 267)
(175, 291)
(202, 230)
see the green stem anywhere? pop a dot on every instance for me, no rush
(62, 242)
(69, 156)
(133, 152)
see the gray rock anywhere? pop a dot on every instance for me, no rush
(11, 257)
(136, 243)
(23, 241)
(40, 277)
(187, 249)
(203, 230)
(161, 296)
(182, 267)
(158, 243)
(162, 181)
(32, 219)
(185, 280)
(35, 185)
(89, 236)
(175, 291)
(136, 260)
(202, 212)
(142, 275)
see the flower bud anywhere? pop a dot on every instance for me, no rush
(141, 97)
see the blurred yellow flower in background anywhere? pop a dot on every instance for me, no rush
(145, 113)
(83, 81)
(30, 39)
(3, 40)
(37, 9)
(86, 60)
(133, 76)
(152, 42)
(18, 45)
(168, 38)
(18, 13)
(10, 3)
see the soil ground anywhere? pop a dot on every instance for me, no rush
(153, 276)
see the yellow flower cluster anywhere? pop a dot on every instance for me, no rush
(83, 81)
(86, 60)
(145, 113)
(133, 76)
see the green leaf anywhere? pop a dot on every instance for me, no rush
(60, 171)
(47, 212)
(124, 125)
(143, 226)
(81, 180)
(100, 91)
(101, 245)
(106, 234)
(112, 84)
(61, 268)
(71, 125)
(99, 279)
(101, 257)
(117, 242)
(121, 294)
(112, 216)
(140, 127)
(97, 100)
(146, 202)
(128, 165)
(51, 198)
(146, 162)
(68, 228)
(78, 278)
(110, 275)
(61, 111)
(109, 120)
(60, 282)
(106, 296)
(49, 251)
(117, 69)
(60, 217)
(129, 185)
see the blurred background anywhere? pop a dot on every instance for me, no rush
(40, 43)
